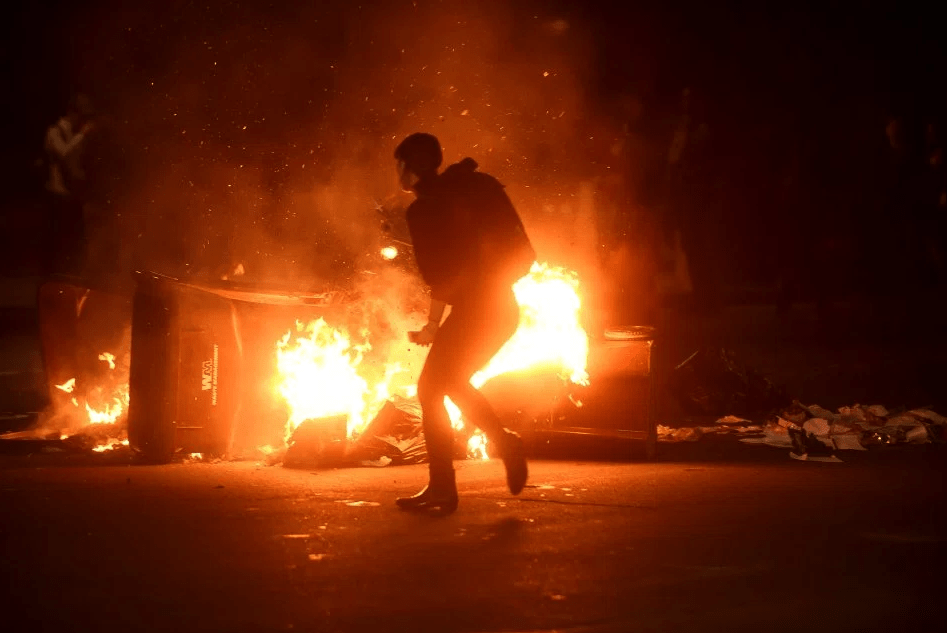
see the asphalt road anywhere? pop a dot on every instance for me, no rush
(686, 544)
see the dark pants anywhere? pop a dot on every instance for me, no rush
(471, 335)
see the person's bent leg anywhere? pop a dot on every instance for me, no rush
(477, 333)
(478, 410)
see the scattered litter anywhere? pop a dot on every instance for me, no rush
(541, 487)
(878, 411)
(381, 462)
(732, 419)
(362, 504)
(904, 420)
(816, 426)
(814, 431)
(316, 556)
(818, 412)
(296, 536)
(683, 434)
(557, 597)
(918, 434)
(930, 416)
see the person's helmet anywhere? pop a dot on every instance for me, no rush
(420, 152)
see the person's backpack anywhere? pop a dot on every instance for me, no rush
(504, 250)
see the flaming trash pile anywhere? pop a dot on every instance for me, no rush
(335, 399)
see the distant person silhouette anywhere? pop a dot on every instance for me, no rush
(66, 187)
(470, 247)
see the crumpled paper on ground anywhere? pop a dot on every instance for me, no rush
(852, 428)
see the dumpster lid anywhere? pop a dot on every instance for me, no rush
(248, 292)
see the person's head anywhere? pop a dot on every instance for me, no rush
(80, 109)
(418, 157)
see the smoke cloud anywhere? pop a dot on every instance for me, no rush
(264, 137)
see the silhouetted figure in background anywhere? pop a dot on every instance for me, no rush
(66, 188)
(470, 247)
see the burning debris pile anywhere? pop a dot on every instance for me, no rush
(335, 398)
(88, 413)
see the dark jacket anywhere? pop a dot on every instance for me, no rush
(467, 237)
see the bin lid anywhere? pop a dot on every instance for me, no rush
(250, 293)
(630, 333)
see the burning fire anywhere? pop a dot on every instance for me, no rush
(550, 331)
(111, 444)
(319, 367)
(319, 375)
(101, 405)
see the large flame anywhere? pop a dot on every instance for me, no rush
(319, 377)
(550, 332)
(321, 373)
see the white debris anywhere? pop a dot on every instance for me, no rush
(816, 426)
(752, 428)
(683, 434)
(732, 419)
(845, 428)
(805, 457)
(918, 435)
(687, 434)
(929, 415)
(878, 410)
(773, 435)
(856, 412)
(819, 412)
(905, 421)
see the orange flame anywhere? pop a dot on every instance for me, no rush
(319, 375)
(550, 331)
(550, 334)
(111, 444)
(105, 407)
(319, 367)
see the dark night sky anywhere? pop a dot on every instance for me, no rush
(779, 56)
(766, 77)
